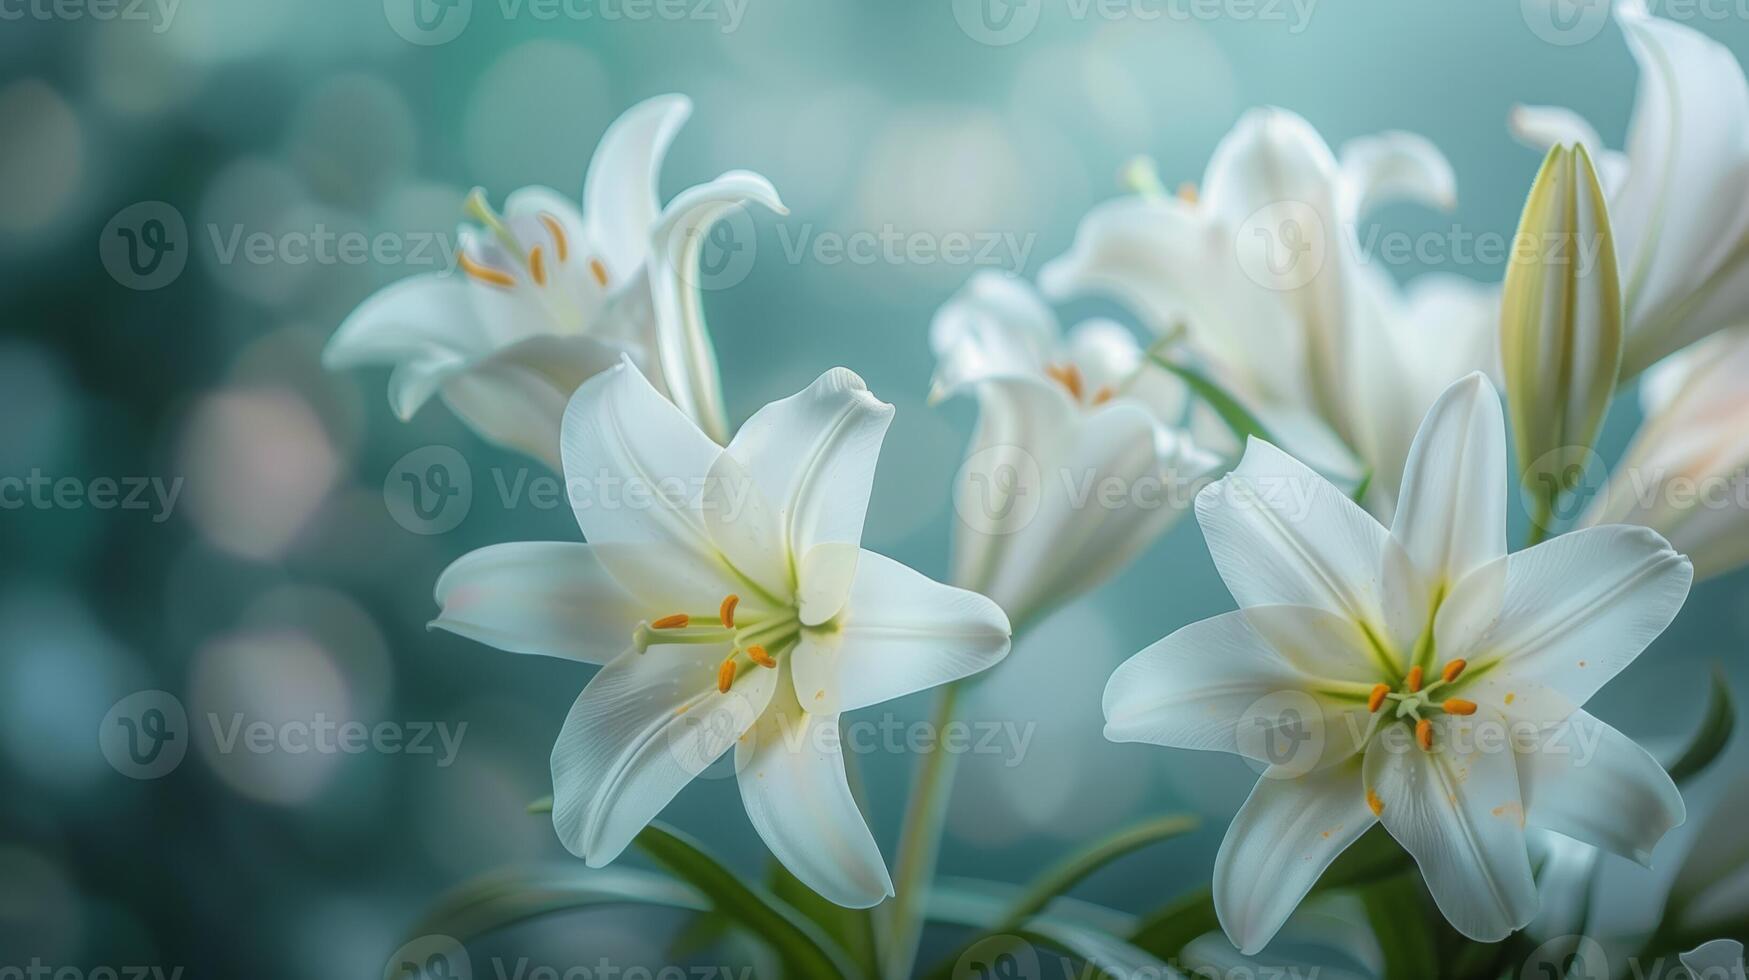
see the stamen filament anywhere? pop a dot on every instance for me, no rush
(476, 205)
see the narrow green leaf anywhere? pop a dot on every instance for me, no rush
(1560, 330)
(1715, 731)
(1072, 870)
(1235, 415)
(851, 929)
(504, 898)
(1399, 916)
(803, 947)
(1080, 930)
(542, 805)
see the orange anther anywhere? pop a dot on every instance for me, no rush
(536, 267)
(600, 272)
(1103, 395)
(1373, 803)
(1187, 192)
(1458, 706)
(1453, 669)
(483, 273)
(1424, 733)
(558, 232)
(1413, 683)
(1377, 697)
(727, 612)
(726, 676)
(1067, 375)
(673, 622)
(757, 654)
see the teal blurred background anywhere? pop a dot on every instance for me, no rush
(279, 586)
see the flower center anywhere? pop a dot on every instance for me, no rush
(535, 259)
(753, 640)
(1415, 701)
(1069, 376)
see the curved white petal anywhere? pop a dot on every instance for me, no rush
(683, 345)
(1084, 496)
(798, 799)
(644, 727)
(1451, 514)
(1682, 212)
(900, 632)
(1280, 841)
(516, 396)
(745, 527)
(1397, 166)
(1590, 782)
(620, 205)
(1576, 610)
(813, 457)
(1457, 810)
(1280, 534)
(995, 326)
(1543, 126)
(423, 325)
(636, 469)
(1222, 685)
(552, 598)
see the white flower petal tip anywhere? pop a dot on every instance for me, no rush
(1720, 959)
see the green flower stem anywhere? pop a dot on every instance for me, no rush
(919, 843)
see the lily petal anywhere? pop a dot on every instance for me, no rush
(798, 797)
(1576, 610)
(1721, 959)
(1280, 841)
(551, 598)
(1197, 687)
(620, 204)
(900, 632)
(516, 396)
(682, 343)
(636, 468)
(994, 327)
(1451, 515)
(1457, 810)
(1280, 534)
(423, 325)
(1592, 783)
(1397, 166)
(813, 457)
(644, 727)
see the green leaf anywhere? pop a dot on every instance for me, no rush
(1235, 415)
(1071, 871)
(804, 949)
(1399, 917)
(1166, 931)
(851, 929)
(1715, 731)
(504, 898)
(542, 805)
(1560, 329)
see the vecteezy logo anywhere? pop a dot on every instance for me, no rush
(998, 490)
(145, 245)
(428, 22)
(430, 958)
(1282, 245)
(719, 255)
(1568, 477)
(1284, 732)
(697, 741)
(144, 735)
(1565, 22)
(998, 958)
(997, 22)
(429, 490)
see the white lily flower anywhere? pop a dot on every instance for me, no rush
(1076, 465)
(1419, 675)
(547, 296)
(1679, 195)
(1687, 471)
(1266, 272)
(727, 596)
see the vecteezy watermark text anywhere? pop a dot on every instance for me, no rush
(432, 22)
(39, 491)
